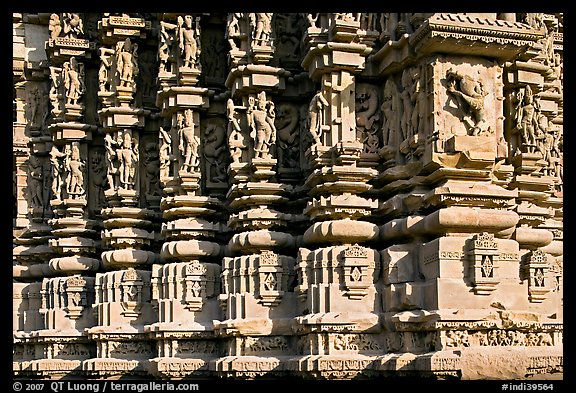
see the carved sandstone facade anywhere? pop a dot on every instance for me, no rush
(330, 195)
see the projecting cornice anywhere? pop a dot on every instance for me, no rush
(464, 34)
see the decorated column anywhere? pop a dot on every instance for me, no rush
(185, 286)
(122, 302)
(337, 274)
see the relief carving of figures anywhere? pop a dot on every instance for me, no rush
(261, 28)
(128, 157)
(73, 73)
(316, 116)
(312, 19)
(214, 151)
(111, 158)
(408, 102)
(35, 105)
(54, 26)
(235, 138)
(234, 31)
(347, 16)
(35, 183)
(526, 118)
(104, 75)
(469, 94)
(189, 41)
(214, 59)
(73, 26)
(393, 25)
(418, 120)
(261, 117)
(368, 21)
(98, 178)
(188, 142)
(558, 73)
(288, 135)
(76, 167)
(165, 153)
(166, 53)
(55, 94)
(391, 105)
(367, 116)
(126, 62)
(152, 170)
(288, 36)
(147, 80)
(57, 172)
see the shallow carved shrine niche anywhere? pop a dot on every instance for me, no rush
(288, 195)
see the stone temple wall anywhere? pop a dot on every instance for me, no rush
(324, 196)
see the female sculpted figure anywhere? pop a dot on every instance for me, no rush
(189, 143)
(76, 169)
(235, 137)
(526, 120)
(316, 110)
(261, 122)
(165, 153)
(128, 157)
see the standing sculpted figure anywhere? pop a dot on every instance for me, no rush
(235, 137)
(73, 82)
(34, 185)
(261, 122)
(316, 116)
(189, 143)
(128, 158)
(469, 94)
(57, 171)
(261, 27)
(419, 110)
(189, 46)
(390, 110)
(165, 153)
(75, 166)
(126, 62)
(214, 148)
(104, 77)
(233, 31)
(166, 46)
(111, 171)
(408, 95)
(526, 120)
